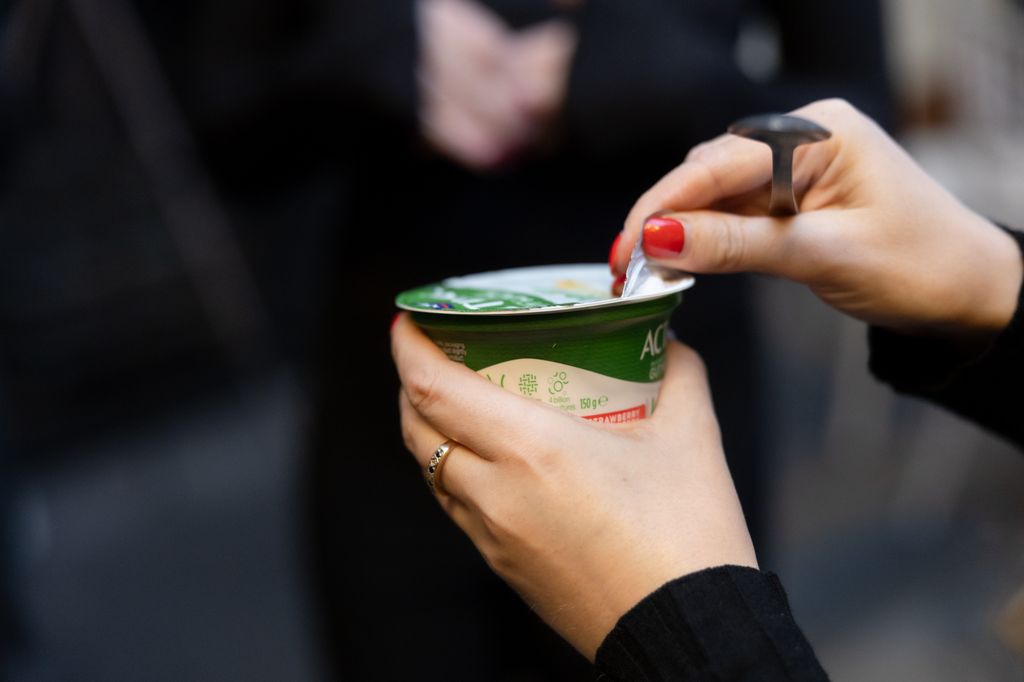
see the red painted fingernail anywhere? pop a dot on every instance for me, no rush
(611, 255)
(617, 285)
(394, 321)
(663, 237)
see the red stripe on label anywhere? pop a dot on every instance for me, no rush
(630, 414)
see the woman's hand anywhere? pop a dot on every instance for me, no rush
(583, 520)
(877, 238)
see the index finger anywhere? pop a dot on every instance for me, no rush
(729, 166)
(458, 402)
(724, 167)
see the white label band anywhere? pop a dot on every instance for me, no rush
(578, 391)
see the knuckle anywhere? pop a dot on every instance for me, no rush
(714, 180)
(834, 106)
(699, 154)
(507, 518)
(732, 247)
(711, 151)
(837, 104)
(498, 519)
(448, 504)
(836, 111)
(500, 562)
(421, 386)
(544, 462)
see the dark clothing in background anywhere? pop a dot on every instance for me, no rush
(105, 340)
(651, 78)
(303, 117)
(733, 623)
(101, 318)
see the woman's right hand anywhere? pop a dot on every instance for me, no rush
(877, 238)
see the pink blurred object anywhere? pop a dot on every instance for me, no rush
(487, 92)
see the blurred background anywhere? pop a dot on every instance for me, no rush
(207, 208)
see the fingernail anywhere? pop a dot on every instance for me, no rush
(394, 321)
(617, 285)
(663, 237)
(611, 255)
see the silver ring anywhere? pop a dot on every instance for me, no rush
(433, 470)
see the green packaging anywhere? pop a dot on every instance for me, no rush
(555, 334)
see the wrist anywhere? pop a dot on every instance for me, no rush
(996, 291)
(640, 579)
(595, 612)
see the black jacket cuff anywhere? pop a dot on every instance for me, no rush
(724, 623)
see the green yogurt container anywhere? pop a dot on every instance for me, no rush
(555, 334)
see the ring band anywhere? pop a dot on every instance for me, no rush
(433, 471)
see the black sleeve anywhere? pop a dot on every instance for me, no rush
(299, 82)
(339, 59)
(655, 73)
(984, 387)
(377, 53)
(649, 72)
(726, 623)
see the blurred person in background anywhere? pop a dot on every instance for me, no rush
(171, 190)
(526, 128)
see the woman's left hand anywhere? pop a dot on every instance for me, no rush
(582, 519)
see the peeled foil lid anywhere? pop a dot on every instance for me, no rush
(540, 289)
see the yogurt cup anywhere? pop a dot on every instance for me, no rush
(554, 334)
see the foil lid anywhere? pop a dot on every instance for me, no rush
(643, 277)
(541, 289)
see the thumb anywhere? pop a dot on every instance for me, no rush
(684, 402)
(712, 242)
